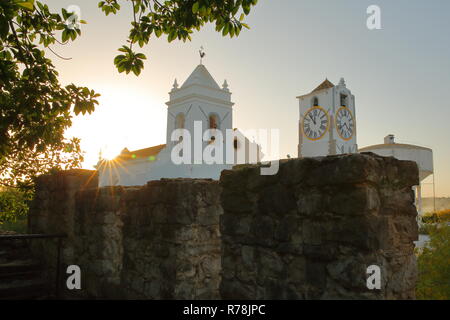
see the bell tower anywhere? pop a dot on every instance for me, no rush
(199, 98)
(327, 124)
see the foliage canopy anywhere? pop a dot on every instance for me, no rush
(176, 19)
(434, 266)
(13, 204)
(35, 109)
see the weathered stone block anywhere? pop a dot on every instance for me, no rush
(276, 199)
(318, 224)
(156, 241)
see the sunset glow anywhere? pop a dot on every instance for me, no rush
(377, 65)
(115, 126)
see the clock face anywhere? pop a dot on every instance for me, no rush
(345, 124)
(315, 123)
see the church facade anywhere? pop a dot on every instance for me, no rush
(199, 119)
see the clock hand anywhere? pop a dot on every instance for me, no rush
(312, 118)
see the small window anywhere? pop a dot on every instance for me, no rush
(315, 102)
(179, 121)
(213, 121)
(235, 143)
(343, 100)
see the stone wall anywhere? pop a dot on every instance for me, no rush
(53, 211)
(159, 241)
(311, 231)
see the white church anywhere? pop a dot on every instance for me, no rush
(327, 126)
(201, 107)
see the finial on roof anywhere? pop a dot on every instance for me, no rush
(100, 155)
(225, 85)
(175, 84)
(342, 82)
(202, 54)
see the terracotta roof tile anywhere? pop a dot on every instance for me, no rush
(141, 153)
(324, 85)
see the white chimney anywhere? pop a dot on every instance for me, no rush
(389, 139)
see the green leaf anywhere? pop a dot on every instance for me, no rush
(172, 35)
(203, 11)
(27, 4)
(4, 28)
(73, 34)
(232, 30)
(65, 14)
(195, 7)
(246, 9)
(65, 36)
(136, 70)
(225, 30)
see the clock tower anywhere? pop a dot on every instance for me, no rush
(327, 124)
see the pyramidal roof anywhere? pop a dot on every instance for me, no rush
(201, 76)
(327, 84)
(324, 85)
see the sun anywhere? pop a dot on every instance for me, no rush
(109, 152)
(125, 118)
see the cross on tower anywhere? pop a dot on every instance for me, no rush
(202, 54)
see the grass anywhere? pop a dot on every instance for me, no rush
(19, 226)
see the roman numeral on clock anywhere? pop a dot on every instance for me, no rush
(315, 123)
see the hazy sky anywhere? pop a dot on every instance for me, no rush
(399, 75)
